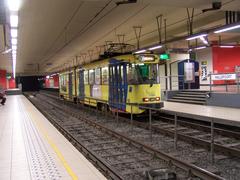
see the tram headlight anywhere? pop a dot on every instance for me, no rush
(157, 98)
(145, 99)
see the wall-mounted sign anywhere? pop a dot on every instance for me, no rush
(204, 70)
(189, 72)
(164, 56)
(224, 77)
(146, 58)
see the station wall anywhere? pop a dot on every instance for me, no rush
(204, 57)
(52, 82)
(172, 63)
(3, 80)
(6, 83)
(217, 60)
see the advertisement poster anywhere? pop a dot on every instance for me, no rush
(204, 70)
(189, 72)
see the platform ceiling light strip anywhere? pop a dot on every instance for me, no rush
(228, 29)
(13, 21)
(140, 51)
(14, 41)
(14, 47)
(14, 33)
(13, 5)
(155, 47)
(196, 36)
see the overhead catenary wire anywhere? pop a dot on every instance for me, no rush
(131, 39)
(85, 28)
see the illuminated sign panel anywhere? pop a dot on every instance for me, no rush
(146, 58)
(164, 56)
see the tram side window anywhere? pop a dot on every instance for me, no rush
(142, 74)
(86, 77)
(105, 75)
(63, 82)
(98, 76)
(91, 76)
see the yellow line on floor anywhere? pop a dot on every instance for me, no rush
(55, 148)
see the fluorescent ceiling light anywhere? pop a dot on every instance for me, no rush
(13, 5)
(140, 51)
(14, 33)
(196, 36)
(200, 47)
(14, 52)
(204, 40)
(226, 46)
(155, 47)
(14, 47)
(14, 21)
(227, 29)
(14, 41)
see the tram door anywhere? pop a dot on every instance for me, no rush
(81, 84)
(70, 84)
(117, 85)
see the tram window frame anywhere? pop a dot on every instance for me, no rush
(105, 80)
(91, 77)
(98, 82)
(86, 78)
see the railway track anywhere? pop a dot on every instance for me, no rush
(225, 141)
(122, 156)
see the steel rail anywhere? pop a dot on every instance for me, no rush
(192, 169)
(107, 170)
(190, 139)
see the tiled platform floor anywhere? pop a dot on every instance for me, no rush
(31, 148)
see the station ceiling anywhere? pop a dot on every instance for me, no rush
(52, 33)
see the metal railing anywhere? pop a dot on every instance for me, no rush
(226, 78)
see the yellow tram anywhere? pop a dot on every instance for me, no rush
(115, 83)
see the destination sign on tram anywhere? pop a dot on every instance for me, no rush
(146, 58)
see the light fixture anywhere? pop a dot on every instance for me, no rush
(196, 36)
(226, 46)
(14, 41)
(204, 40)
(48, 77)
(140, 51)
(200, 47)
(14, 68)
(13, 5)
(14, 47)
(227, 29)
(14, 33)
(14, 51)
(155, 47)
(14, 21)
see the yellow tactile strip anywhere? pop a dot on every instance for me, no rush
(42, 164)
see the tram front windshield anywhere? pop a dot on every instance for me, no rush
(143, 74)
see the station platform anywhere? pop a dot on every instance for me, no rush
(221, 115)
(32, 148)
